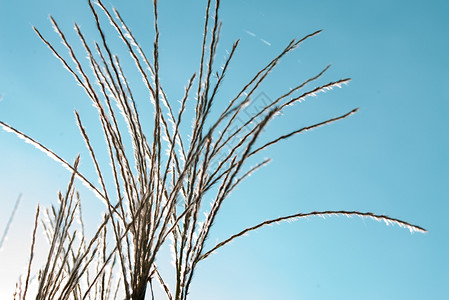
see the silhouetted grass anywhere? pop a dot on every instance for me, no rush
(158, 192)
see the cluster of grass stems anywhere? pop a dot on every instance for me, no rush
(158, 192)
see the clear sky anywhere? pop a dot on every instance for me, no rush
(390, 158)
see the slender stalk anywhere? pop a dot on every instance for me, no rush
(154, 199)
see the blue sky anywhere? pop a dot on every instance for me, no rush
(390, 158)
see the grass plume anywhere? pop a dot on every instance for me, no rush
(155, 199)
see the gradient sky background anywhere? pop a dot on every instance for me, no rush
(390, 158)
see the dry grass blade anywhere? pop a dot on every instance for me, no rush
(92, 153)
(100, 176)
(159, 199)
(10, 219)
(27, 281)
(304, 129)
(380, 218)
(49, 279)
(219, 145)
(54, 156)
